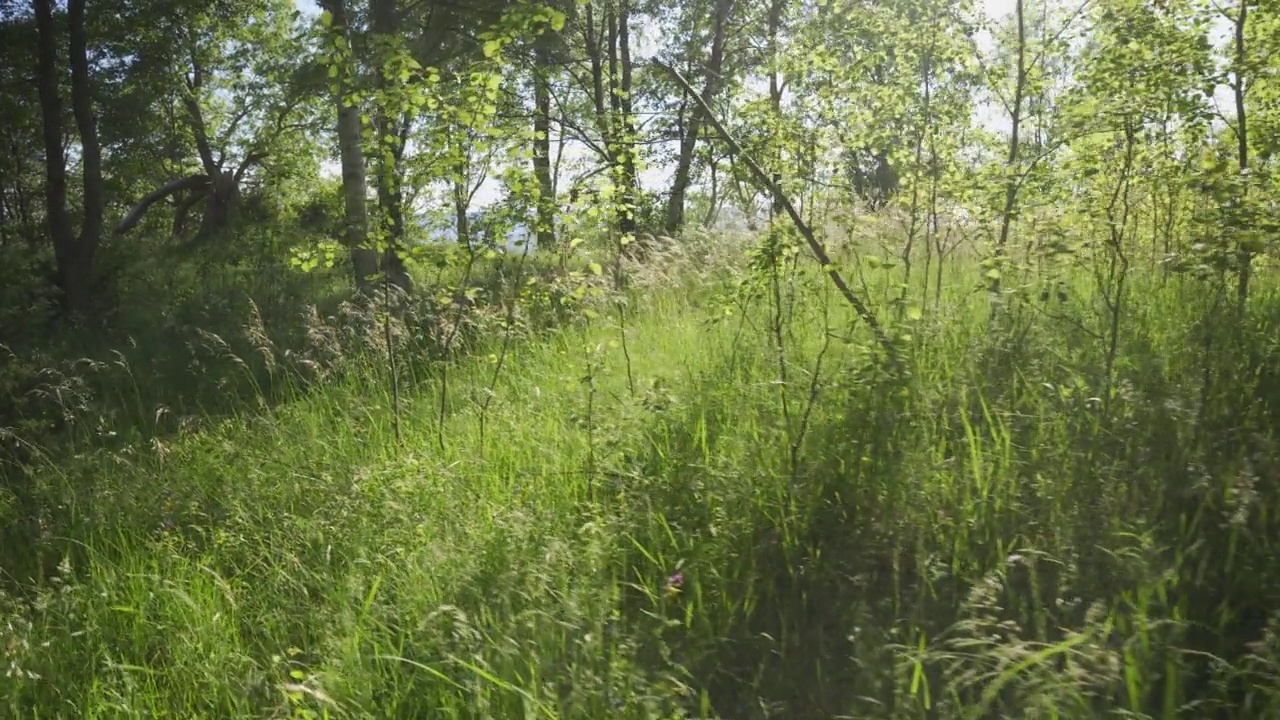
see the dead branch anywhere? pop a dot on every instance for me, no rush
(184, 209)
(187, 183)
(815, 246)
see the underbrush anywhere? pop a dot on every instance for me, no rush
(715, 499)
(222, 334)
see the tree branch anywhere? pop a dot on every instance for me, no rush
(184, 208)
(250, 160)
(187, 183)
(816, 247)
(191, 101)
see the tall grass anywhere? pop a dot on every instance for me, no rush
(1007, 525)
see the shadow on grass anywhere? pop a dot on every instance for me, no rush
(993, 542)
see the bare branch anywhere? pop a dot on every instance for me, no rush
(184, 208)
(252, 159)
(187, 183)
(816, 247)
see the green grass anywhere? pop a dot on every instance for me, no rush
(665, 529)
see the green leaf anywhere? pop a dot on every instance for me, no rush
(596, 269)
(491, 48)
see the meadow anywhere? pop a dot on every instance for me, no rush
(708, 495)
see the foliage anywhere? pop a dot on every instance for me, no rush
(1021, 462)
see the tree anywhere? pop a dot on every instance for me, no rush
(1241, 79)
(237, 114)
(713, 77)
(73, 252)
(392, 124)
(606, 79)
(542, 71)
(364, 258)
(21, 125)
(1013, 160)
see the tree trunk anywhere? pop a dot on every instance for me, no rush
(1011, 165)
(86, 123)
(713, 206)
(546, 232)
(75, 265)
(198, 184)
(594, 51)
(73, 254)
(1243, 254)
(224, 186)
(392, 129)
(55, 163)
(462, 201)
(688, 143)
(224, 192)
(775, 94)
(392, 204)
(626, 122)
(364, 259)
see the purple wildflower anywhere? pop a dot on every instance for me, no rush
(674, 583)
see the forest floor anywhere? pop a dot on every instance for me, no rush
(722, 502)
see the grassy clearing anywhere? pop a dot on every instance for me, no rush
(704, 522)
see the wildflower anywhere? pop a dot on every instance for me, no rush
(674, 585)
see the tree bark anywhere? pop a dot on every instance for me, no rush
(86, 123)
(392, 128)
(595, 51)
(546, 230)
(224, 185)
(775, 94)
(1011, 164)
(191, 101)
(55, 161)
(713, 78)
(713, 204)
(626, 121)
(1243, 254)
(462, 197)
(224, 193)
(364, 259)
(199, 183)
(393, 205)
